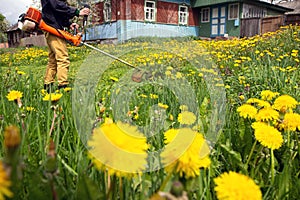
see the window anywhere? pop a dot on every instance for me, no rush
(205, 14)
(107, 11)
(183, 14)
(149, 10)
(233, 12)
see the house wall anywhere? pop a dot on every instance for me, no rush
(123, 30)
(128, 21)
(293, 19)
(140, 29)
(232, 26)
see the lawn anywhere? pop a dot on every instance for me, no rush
(192, 119)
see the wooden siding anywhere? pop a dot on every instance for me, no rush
(250, 27)
(256, 26)
(166, 11)
(270, 24)
(137, 10)
(293, 19)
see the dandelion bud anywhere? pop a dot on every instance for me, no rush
(51, 161)
(177, 189)
(12, 137)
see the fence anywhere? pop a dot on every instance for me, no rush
(255, 26)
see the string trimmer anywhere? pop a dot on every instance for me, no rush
(33, 20)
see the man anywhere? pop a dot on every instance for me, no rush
(57, 13)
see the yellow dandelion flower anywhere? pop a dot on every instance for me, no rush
(67, 89)
(186, 117)
(185, 153)
(44, 92)
(29, 108)
(284, 103)
(4, 183)
(291, 121)
(258, 102)
(119, 148)
(267, 135)
(114, 79)
(14, 95)
(153, 96)
(183, 107)
(268, 95)
(267, 114)
(143, 96)
(235, 186)
(54, 97)
(21, 73)
(164, 106)
(168, 73)
(179, 75)
(247, 111)
(242, 97)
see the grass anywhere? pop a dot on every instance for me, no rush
(211, 78)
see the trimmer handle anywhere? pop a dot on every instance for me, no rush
(85, 17)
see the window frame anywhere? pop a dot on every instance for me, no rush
(150, 11)
(183, 15)
(205, 10)
(107, 14)
(237, 13)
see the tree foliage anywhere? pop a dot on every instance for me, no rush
(3, 28)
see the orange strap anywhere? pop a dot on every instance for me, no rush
(75, 39)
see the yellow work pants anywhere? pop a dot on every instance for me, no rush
(58, 60)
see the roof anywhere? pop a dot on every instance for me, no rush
(295, 5)
(13, 28)
(202, 3)
(188, 2)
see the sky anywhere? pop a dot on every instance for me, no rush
(11, 9)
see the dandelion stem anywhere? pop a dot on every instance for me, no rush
(163, 185)
(72, 171)
(250, 155)
(272, 166)
(52, 124)
(288, 139)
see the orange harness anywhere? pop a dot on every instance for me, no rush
(74, 39)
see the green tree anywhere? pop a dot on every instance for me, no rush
(3, 28)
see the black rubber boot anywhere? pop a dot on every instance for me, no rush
(62, 87)
(49, 87)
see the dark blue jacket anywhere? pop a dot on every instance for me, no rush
(57, 13)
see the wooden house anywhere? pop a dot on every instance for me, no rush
(225, 17)
(292, 17)
(14, 36)
(125, 19)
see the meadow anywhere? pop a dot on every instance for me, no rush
(194, 119)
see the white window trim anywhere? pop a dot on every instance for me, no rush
(229, 10)
(107, 12)
(147, 9)
(185, 14)
(208, 18)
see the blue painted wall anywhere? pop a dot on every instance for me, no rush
(127, 29)
(100, 32)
